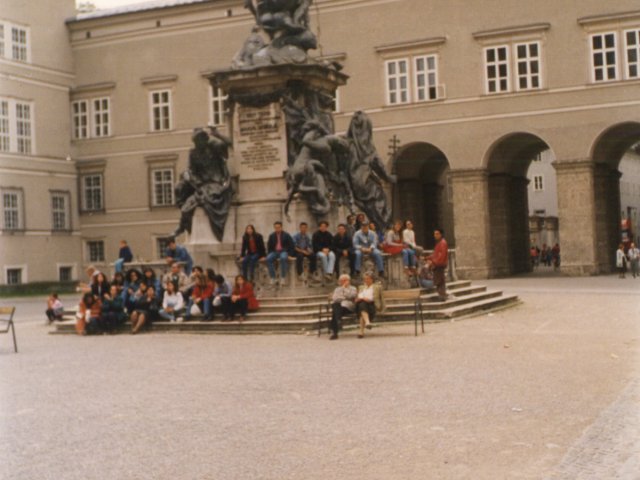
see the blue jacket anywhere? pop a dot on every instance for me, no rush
(367, 241)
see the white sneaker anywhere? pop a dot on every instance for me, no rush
(180, 319)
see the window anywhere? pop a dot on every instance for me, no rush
(101, 117)
(426, 78)
(12, 209)
(538, 185)
(397, 81)
(162, 183)
(540, 212)
(603, 56)
(632, 49)
(65, 274)
(96, 251)
(162, 243)
(160, 110)
(335, 103)
(23, 127)
(19, 44)
(60, 209)
(92, 192)
(5, 138)
(528, 65)
(14, 276)
(16, 126)
(219, 107)
(80, 120)
(497, 69)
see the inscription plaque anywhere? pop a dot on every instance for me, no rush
(260, 141)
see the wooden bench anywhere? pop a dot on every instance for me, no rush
(6, 316)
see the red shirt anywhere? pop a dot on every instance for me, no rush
(440, 256)
(246, 292)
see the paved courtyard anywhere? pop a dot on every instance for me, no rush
(547, 390)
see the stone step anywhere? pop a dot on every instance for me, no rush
(449, 303)
(491, 303)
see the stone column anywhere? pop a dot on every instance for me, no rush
(577, 217)
(607, 201)
(471, 222)
(500, 200)
(519, 225)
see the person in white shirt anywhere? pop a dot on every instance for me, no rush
(409, 238)
(342, 303)
(368, 301)
(172, 303)
(55, 309)
(634, 259)
(621, 261)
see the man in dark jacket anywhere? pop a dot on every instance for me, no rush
(124, 256)
(322, 241)
(343, 247)
(279, 247)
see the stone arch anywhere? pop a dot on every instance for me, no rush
(507, 162)
(422, 192)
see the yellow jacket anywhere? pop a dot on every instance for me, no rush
(378, 298)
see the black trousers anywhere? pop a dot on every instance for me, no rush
(337, 311)
(369, 307)
(240, 306)
(300, 260)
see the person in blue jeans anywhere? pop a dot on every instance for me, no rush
(124, 256)
(176, 253)
(252, 251)
(279, 247)
(365, 242)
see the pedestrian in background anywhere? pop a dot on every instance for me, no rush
(440, 259)
(621, 261)
(634, 259)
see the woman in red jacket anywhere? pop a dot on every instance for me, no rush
(242, 298)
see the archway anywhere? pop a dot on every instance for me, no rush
(422, 192)
(616, 156)
(508, 161)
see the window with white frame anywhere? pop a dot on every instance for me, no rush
(162, 187)
(604, 57)
(14, 276)
(497, 69)
(65, 273)
(60, 211)
(160, 110)
(80, 119)
(95, 251)
(632, 50)
(14, 42)
(101, 117)
(23, 127)
(5, 132)
(538, 185)
(92, 189)
(12, 209)
(528, 65)
(219, 106)
(426, 78)
(16, 126)
(162, 243)
(397, 73)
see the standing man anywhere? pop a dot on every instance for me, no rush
(303, 249)
(177, 253)
(342, 247)
(322, 243)
(365, 242)
(279, 247)
(342, 303)
(634, 259)
(440, 260)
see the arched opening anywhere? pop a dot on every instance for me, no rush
(422, 192)
(616, 154)
(508, 163)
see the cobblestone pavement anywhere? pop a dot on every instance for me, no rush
(546, 390)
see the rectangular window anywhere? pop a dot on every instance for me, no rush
(538, 185)
(12, 209)
(162, 243)
(603, 54)
(397, 75)
(23, 127)
(160, 110)
(497, 69)
(65, 274)
(162, 187)
(92, 192)
(528, 65)
(80, 114)
(5, 133)
(426, 78)
(14, 276)
(632, 49)
(96, 251)
(219, 106)
(101, 117)
(2, 42)
(60, 211)
(19, 44)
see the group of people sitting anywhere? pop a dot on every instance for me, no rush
(351, 242)
(143, 297)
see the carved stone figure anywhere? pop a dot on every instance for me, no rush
(253, 44)
(206, 183)
(366, 171)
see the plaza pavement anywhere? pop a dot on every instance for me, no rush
(547, 390)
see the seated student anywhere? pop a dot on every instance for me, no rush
(100, 285)
(87, 318)
(131, 286)
(177, 253)
(242, 298)
(124, 256)
(393, 245)
(149, 278)
(172, 303)
(279, 247)
(379, 232)
(252, 251)
(322, 243)
(350, 225)
(222, 296)
(118, 281)
(342, 303)
(366, 243)
(112, 314)
(92, 272)
(55, 309)
(303, 249)
(361, 219)
(425, 274)
(342, 247)
(409, 238)
(179, 279)
(200, 296)
(146, 310)
(368, 301)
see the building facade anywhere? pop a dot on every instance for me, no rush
(463, 98)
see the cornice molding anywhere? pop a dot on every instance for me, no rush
(609, 17)
(516, 30)
(410, 44)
